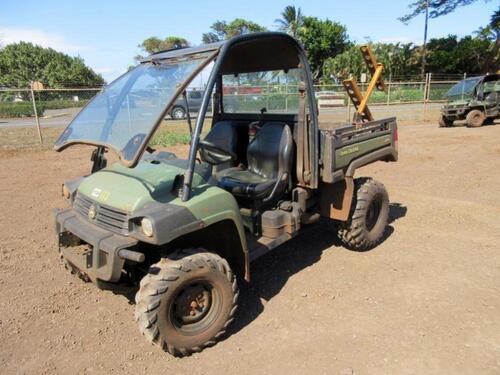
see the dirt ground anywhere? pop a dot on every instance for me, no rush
(426, 301)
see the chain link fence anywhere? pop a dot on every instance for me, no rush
(29, 117)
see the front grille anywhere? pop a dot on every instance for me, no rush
(106, 217)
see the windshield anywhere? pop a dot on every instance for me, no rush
(490, 86)
(128, 110)
(464, 88)
(273, 91)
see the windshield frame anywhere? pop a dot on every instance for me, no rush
(132, 162)
(465, 94)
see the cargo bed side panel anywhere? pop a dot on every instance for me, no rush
(344, 155)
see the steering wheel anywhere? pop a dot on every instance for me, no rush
(215, 154)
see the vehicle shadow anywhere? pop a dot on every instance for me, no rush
(396, 211)
(270, 273)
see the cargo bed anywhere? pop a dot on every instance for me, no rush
(348, 147)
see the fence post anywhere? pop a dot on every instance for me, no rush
(286, 96)
(37, 120)
(348, 109)
(389, 88)
(267, 97)
(463, 87)
(424, 108)
(427, 92)
(429, 87)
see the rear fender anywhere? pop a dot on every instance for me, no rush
(336, 199)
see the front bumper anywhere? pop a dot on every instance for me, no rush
(453, 113)
(100, 260)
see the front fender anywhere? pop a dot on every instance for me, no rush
(208, 205)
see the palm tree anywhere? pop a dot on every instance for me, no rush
(291, 20)
(495, 31)
(424, 53)
(492, 32)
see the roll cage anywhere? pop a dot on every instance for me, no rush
(257, 52)
(254, 53)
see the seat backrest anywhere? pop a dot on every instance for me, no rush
(270, 153)
(225, 135)
(492, 97)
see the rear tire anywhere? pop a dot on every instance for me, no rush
(445, 122)
(368, 218)
(186, 301)
(475, 118)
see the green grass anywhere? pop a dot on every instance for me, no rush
(167, 139)
(172, 133)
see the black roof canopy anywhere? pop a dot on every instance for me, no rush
(246, 53)
(491, 77)
(183, 51)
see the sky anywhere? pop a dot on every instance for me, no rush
(106, 33)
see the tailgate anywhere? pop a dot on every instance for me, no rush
(349, 147)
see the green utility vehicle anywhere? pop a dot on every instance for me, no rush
(185, 231)
(475, 100)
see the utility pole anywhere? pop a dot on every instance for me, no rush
(424, 49)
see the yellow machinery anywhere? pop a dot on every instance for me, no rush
(359, 101)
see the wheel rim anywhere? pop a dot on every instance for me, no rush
(373, 213)
(178, 114)
(196, 307)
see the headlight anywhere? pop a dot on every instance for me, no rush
(65, 192)
(147, 227)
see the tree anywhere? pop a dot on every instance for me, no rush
(322, 39)
(452, 55)
(432, 9)
(291, 20)
(436, 8)
(221, 30)
(154, 44)
(492, 32)
(397, 59)
(24, 62)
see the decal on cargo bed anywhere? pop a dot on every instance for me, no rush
(348, 151)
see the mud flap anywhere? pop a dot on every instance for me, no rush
(336, 199)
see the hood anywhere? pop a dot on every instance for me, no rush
(129, 189)
(458, 102)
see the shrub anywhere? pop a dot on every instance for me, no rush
(25, 109)
(20, 109)
(59, 104)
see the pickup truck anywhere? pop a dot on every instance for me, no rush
(180, 108)
(185, 232)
